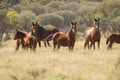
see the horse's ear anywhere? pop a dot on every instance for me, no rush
(95, 19)
(36, 24)
(16, 30)
(98, 19)
(75, 22)
(71, 23)
(33, 23)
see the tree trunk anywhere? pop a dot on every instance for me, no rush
(1, 37)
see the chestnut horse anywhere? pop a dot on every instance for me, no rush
(25, 39)
(112, 38)
(92, 34)
(41, 33)
(66, 40)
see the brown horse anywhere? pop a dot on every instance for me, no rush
(41, 33)
(92, 34)
(25, 39)
(62, 39)
(112, 38)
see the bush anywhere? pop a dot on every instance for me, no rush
(71, 6)
(67, 15)
(35, 7)
(53, 6)
(110, 11)
(49, 26)
(25, 19)
(52, 19)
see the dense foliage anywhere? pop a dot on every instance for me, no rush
(19, 14)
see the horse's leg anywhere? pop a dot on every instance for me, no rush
(39, 44)
(91, 45)
(17, 46)
(45, 44)
(54, 45)
(48, 43)
(85, 44)
(110, 45)
(88, 46)
(94, 45)
(72, 47)
(58, 46)
(23, 45)
(27, 46)
(34, 45)
(98, 44)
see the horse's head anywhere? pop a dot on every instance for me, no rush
(34, 26)
(16, 35)
(96, 22)
(19, 34)
(73, 26)
(72, 30)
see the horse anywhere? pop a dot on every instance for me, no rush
(65, 39)
(92, 34)
(41, 33)
(112, 38)
(25, 39)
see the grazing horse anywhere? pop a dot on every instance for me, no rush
(112, 38)
(41, 33)
(92, 34)
(66, 40)
(25, 39)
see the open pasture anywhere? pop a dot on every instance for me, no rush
(45, 64)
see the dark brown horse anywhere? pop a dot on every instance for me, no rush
(25, 39)
(112, 38)
(66, 40)
(92, 34)
(41, 33)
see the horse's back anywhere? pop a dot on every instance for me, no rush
(115, 37)
(88, 32)
(61, 37)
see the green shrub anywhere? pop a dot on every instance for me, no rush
(52, 19)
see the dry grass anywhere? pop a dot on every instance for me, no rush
(45, 64)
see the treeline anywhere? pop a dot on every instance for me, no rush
(19, 14)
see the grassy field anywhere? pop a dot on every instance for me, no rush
(45, 64)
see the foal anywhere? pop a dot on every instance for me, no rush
(92, 34)
(25, 39)
(66, 40)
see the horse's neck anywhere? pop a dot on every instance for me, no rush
(96, 27)
(71, 35)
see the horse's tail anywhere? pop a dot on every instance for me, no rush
(49, 37)
(34, 43)
(107, 39)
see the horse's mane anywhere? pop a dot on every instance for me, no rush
(23, 33)
(40, 29)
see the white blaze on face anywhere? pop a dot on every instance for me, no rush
(96, 26)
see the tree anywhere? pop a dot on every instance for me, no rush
(12, 16)
(3, 23)
(110, 10)
(53, 6)
(52, 19)
(25, 19)
(67, 15)
(35, 7)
